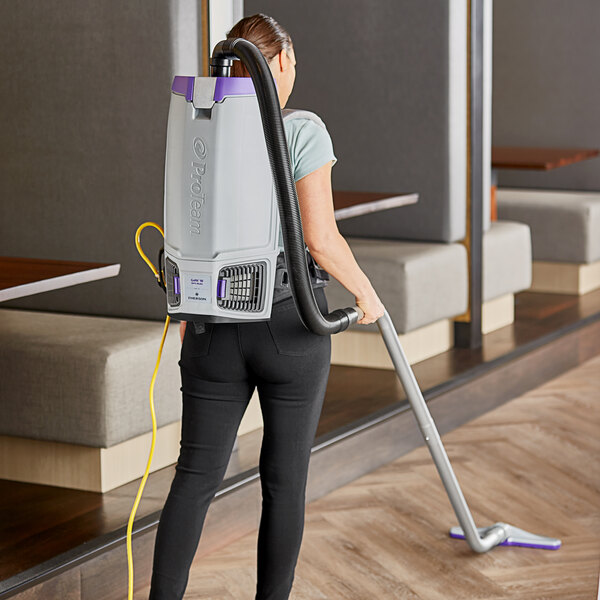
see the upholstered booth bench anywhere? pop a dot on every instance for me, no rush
(565, 233)
(424, 285)
(75, 407)
(74, 389)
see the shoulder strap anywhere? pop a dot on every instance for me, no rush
(297, 113)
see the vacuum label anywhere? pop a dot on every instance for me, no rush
(197, 287)
(197, 192)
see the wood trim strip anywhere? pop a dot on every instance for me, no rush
(205, 41)
(538, 159)
(372, 206)
(61, 281)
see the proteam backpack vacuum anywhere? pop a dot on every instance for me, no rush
(228, 188)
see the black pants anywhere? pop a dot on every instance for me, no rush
(219, 370)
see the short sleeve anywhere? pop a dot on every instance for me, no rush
(310, 146)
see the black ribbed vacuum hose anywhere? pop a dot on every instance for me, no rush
(287, 199)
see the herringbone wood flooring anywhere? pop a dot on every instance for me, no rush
(532, 463)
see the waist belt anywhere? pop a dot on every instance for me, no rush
(318, 276)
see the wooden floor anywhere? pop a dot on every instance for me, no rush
(534, 463)
(39, 523)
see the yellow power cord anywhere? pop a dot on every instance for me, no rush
(162, 343)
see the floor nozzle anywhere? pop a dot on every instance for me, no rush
(514, 537)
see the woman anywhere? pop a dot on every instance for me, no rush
(288, 364)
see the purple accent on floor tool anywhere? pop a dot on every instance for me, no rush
(516, 537)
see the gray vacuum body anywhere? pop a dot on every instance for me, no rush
(221, 218)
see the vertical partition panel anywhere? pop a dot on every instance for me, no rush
(84, 89)
(389, 79)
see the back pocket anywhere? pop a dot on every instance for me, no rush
(197, 344)
(289, 335)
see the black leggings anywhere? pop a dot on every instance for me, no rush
(219, 371)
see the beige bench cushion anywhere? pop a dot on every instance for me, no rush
(84, 380)
(506, 259)
(418, 282)
(565, 225)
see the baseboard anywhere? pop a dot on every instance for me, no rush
(565, 278)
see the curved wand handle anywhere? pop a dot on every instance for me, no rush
(354, 313)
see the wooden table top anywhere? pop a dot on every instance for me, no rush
(26, 276)
(538, 159)
(352, 204)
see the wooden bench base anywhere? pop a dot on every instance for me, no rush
(565, 278)
(497, 313)
(98, 469)
(252, 418)
(85, 467)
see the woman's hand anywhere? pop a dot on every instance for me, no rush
(182, 330)
(371, 305)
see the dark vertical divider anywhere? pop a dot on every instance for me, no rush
(467, 330)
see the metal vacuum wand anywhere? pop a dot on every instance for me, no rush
(479, 539)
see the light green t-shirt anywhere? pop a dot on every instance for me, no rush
(310, 148)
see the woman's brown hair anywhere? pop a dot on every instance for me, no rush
(265, 33)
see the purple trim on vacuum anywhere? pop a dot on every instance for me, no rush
(233, 86)
(184, 86)
(176, 286)
(458, 536)
(221, 288)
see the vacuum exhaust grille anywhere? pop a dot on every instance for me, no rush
(241, 287)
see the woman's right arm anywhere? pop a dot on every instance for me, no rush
(327, 245)
(339, 261)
